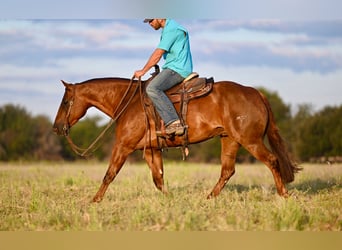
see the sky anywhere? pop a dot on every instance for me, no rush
(289, 48)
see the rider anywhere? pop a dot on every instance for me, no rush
(174, 46)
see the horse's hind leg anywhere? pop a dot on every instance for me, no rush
(260, 152)
(229, 149)
(154, 160)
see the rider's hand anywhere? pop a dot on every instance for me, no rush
(139, 73)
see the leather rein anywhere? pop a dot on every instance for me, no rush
(92, 147)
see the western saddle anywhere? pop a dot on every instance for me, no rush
(192, 87)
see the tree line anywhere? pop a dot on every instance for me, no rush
(311, 136)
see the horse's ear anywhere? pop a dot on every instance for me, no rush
(65, 83)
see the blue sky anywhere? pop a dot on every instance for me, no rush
(298, 55)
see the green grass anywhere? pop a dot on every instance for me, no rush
(56, 196)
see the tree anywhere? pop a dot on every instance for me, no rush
(46, 144)
(208, 151)
(299, 121)
(16, 137)
(321, 134)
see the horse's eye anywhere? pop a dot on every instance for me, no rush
(65, 102)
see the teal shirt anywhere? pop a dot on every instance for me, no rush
(175, 41)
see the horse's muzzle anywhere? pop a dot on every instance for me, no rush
(62, 129)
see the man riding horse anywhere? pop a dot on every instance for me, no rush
(174, 46)
(244, 125)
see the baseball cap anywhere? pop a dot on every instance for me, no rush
(147, 20)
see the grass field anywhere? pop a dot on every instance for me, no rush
(56, 196)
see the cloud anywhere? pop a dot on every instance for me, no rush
(37, 54)
(24, 36)
(298, 46)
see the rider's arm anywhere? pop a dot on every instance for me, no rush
(153, 60)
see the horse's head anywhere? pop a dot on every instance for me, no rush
(69, 112)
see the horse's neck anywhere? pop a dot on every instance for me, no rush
(104, 96)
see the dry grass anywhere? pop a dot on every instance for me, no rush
(55, 196)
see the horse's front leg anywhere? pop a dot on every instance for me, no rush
(119, 156)
(154, 160)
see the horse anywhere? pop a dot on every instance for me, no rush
(240, 115)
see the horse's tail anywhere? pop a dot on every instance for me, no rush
(287, 166)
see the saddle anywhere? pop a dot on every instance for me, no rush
(192, 87)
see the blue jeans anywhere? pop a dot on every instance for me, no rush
(156, 92)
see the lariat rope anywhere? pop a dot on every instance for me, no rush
(85, 152)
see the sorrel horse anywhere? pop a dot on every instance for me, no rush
(240, 115)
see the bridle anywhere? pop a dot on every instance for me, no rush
(117, 113)
(66, 120)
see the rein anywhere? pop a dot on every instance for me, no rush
(92, 147)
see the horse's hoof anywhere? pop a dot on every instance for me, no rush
(285, 195)
(96, 199)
